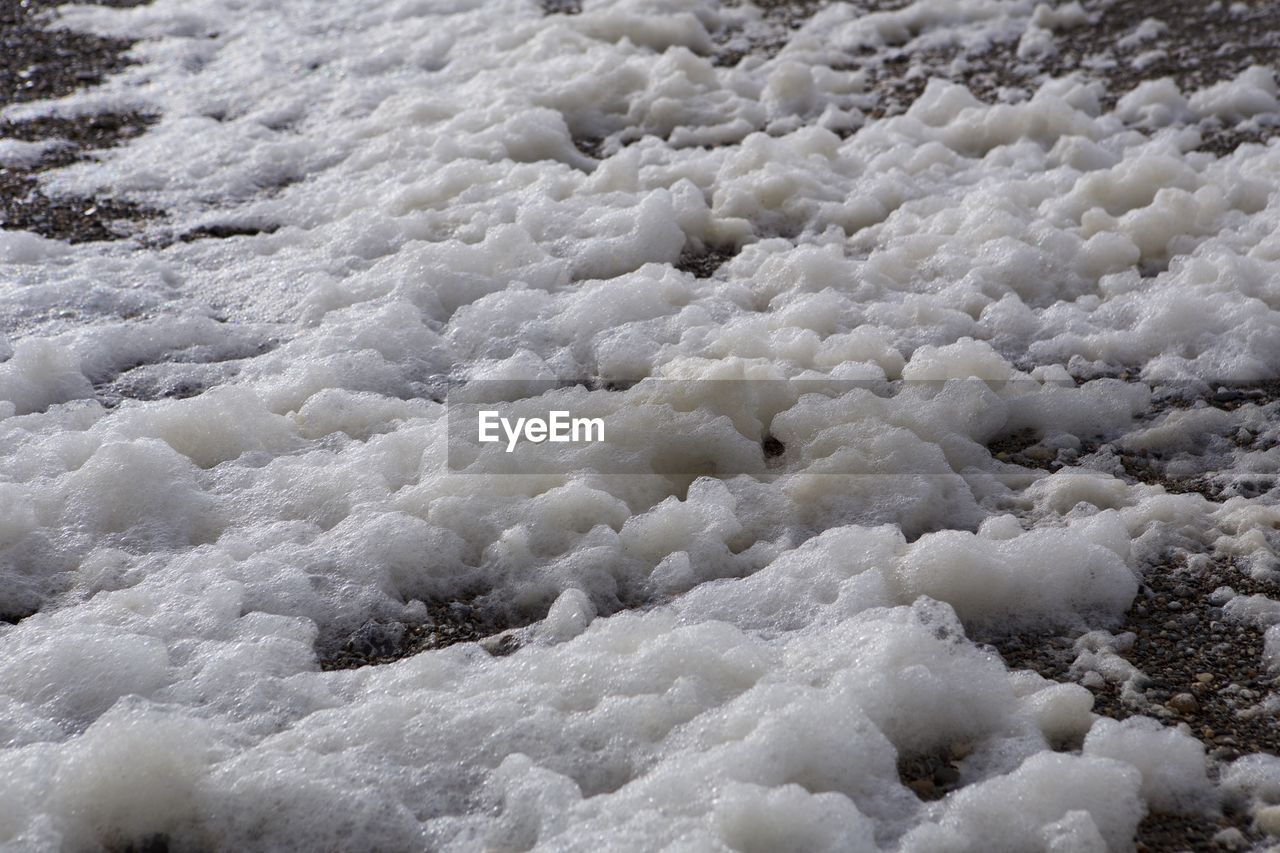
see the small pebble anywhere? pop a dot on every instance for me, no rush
(946, 776)
(1184, 703)
(1039, 453)
(924, 788)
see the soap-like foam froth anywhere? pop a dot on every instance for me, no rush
(227, 461)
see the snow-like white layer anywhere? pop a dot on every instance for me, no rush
(436, 219)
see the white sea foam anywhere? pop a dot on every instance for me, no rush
(222, 456)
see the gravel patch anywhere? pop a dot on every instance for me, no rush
(382, 642)
(43, 61)
(1196, 42)
(703, 262)
(1199, 669)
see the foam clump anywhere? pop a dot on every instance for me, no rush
(38, 374)
(1052, 802)
(1172, 763)
(1042, 578)
(1252, 93)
